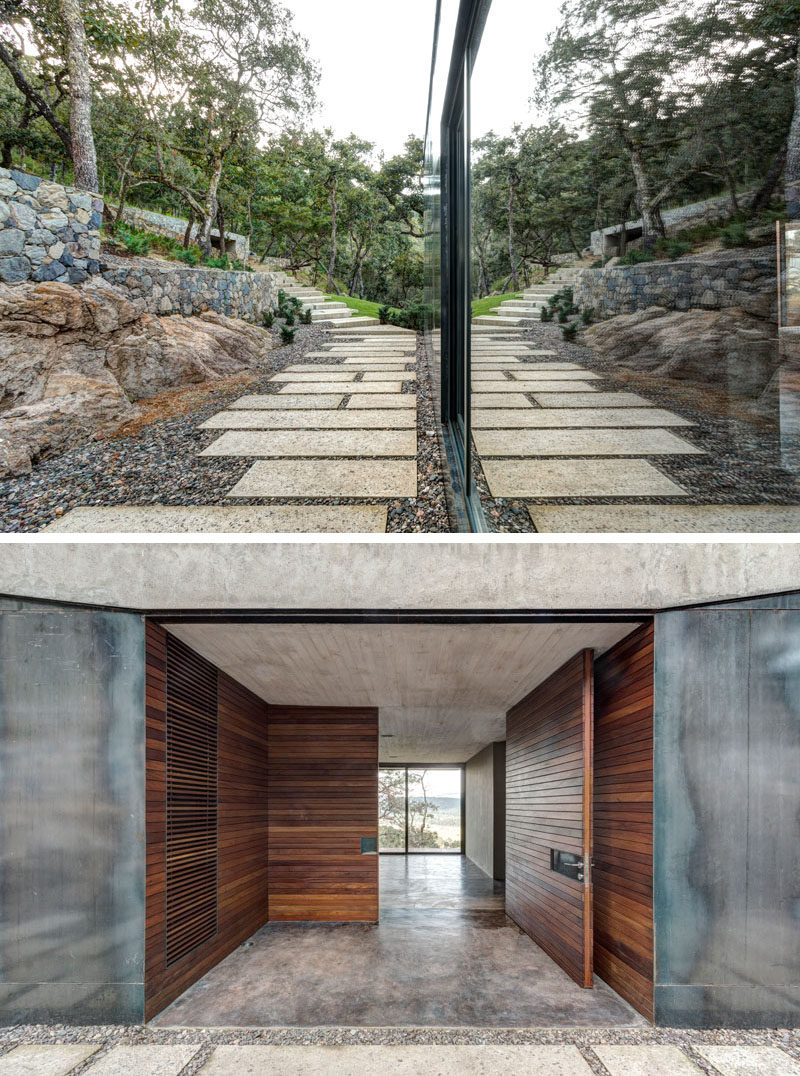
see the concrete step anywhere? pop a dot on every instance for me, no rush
(315, 303)
(328, 315)
(495, 319)
(337, 323)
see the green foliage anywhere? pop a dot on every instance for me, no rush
(289, 317)
(636, 257)
(267, 319)
(135, 241)
(383, 314)
(672, 248)
(597, 264)
(735, 235)
(305, 317)
(563, 317)
(287, 335)
(189, 256)
(491, 302)
(546, 313)
(587, 316)
(569, 332)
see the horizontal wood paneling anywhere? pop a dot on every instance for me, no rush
(242, 838)
(323, 780)
(623, 819)
(548, 805)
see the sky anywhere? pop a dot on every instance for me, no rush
(375, 59)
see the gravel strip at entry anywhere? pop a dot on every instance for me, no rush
(157, 463)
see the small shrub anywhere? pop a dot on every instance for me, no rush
(287, 335)
(554, 300)
(563, 317)
(587, 316)
(546, 313)
(134, 241)
(190, 256)
(597, 265)
(672, 248)
(305, 317)
(637, 257)
(569, 332)
(217, 262)
(383, 314)
(735, 235)
(267, 319)
(289, 317)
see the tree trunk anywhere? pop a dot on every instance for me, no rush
(732, 189)
(210, 208)
(30, 94)
(330, 285)
(652, 225)
(125, 183)
(512, 254)
(221, 228)
(792, 174)
(187, 235)
(84, 158)
(764, 193)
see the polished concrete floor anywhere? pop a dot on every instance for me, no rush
(444, 954)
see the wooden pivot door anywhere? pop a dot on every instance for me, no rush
(549, 737)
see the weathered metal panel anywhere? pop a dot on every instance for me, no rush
(71, 816)
(727, 817)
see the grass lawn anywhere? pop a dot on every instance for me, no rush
(361, 306)
(486, 306)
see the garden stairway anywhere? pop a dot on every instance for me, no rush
(529, 307)
(324, 310)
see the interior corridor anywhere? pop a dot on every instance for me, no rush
(444, 954)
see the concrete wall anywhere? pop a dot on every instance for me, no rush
(735, 279)
(47, 231)
(175, 289)
(727, 815)
(606, 240)
(485, 809)
(71, 816)
(426, 575)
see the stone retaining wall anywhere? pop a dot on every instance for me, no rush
(168, 289)
(237, 246)
(743, 279)
(47, 231)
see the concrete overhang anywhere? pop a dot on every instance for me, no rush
(425, 575)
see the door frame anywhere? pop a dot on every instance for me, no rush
(406, 766)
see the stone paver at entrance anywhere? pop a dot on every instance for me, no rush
(646, 1061)
(749, 1060)
(298, 388)
(213, 519)
(329, 478)
(270, 403)
(44, 1060)
(595, 442)
(340, 419)
(143, 1061)
(666, 518)
(578, 478)
(544, 418)
(393, 1060)
(384, 399)
(360, 443)
(600, 399)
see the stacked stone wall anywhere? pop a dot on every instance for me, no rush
(236, 246)
(47, 231)
(175, 289)
(741, 279)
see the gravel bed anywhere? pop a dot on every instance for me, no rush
(743, 464)
(158, 463)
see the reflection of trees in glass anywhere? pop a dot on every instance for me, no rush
(424, 811)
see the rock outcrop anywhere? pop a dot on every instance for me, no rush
(74, 361)
(726, 349)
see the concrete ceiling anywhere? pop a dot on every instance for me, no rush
(442, 690)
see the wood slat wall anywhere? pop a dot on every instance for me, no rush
(323, 782)
(623, 819)
(548, 805)
(242, 835)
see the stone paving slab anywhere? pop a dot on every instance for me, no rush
(341, 419)
(385, 399)
(562, 417)
(392, 1060)
(309, 443)
(44, 1060)
(250, 403)
(378, 364)
(535, 373)
(329, 478)
(315, 377)
(578, 478)
(646, 1061)
(370, 376)
(144, 1060)
(539, 385)
(214, 519)
(666, 519)
(298, 388)
(508, 399)
(579, 442)
(749, 1060)
(600, 399)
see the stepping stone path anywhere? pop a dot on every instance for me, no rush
(548, 429)
(344, 428)
(220, 1059)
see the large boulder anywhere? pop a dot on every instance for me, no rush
(74, 361)
(726, 349)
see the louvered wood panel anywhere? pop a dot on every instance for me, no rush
(242, 840)
(548, 806)
(323, 781)
(623, 819)
(191, 768)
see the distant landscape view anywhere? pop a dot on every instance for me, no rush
(433, 797)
